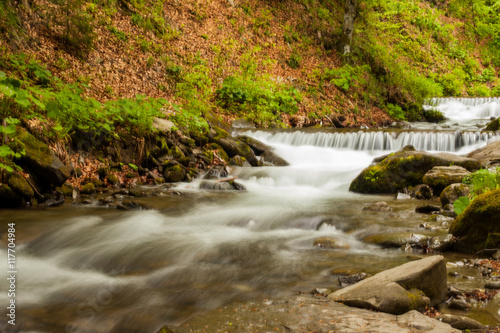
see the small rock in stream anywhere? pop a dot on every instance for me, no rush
(427, 209)
(492, 285)
(460, 322)
(321, 291)
(345, 281)
(459, 303)
(378, 207)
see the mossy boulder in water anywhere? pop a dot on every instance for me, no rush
(403, 169)
(478, 227)
(41, 161)
(235, 147)
(258, 147)
(20, 185)
(493, 125)
(174, 173)
(453, 192)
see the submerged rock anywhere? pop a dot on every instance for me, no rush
(404, 169)
(221, 185)
(460, 322)
(411, 286)
(440, 177)
(331, 243)
(477, 228)
(380, 206)
(397, 239)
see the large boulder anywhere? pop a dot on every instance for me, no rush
(272, 158)
(488, 155)
(411, 286)
(258, 147)
(403, 169)
(41, 161)
(235, 147)
(440, 177)
(477, 228)
(452, 192)
(493, 125)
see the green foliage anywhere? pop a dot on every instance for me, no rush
(11, 148)
(395, 111)
(294, 61)
(259, 99)
(481, 182)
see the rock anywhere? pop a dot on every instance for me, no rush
(242, 123)
(66, 190)
(422, 192)
(221, 186)
(54, 202)
(460, 322)
(88, 188)
(488, 155)
(397, 239)
(331, 243)
(307, 313)
(452, 192)
(258, 147)
(9, 197)
(113, 179)
(216, 172)
(459, 303)
(380, 206)
(477, 228)
(174, 173)
(434, 116)
(235, 147)
(442, 243)
(427, 209)
(239, 161)
(345, 281)
(321, 291)
(492, 285)
(440, 177)
(493, 125)
(411, 286)
(163, 125)
(403, 169)
(274, 159)
(41, 161)
(20, 185)
(402, 196)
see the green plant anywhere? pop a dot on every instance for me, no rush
(294, 61)
(395, 111)
(481, 181)
(10, 148)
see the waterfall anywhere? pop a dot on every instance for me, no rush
(378, 140)
(460, 109)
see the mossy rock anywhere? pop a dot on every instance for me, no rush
(239, 161)
(220, 152)
(88, 188)
(65, 190)
(404, 169)
(434, 116)
(493, 125)
(42, 161)
(97, 182)
(235, 147)
(453, 192)
(113, 179)
(20, 185)
(478, 227)
(258, 147)
(439, 177)
(9, 197)
(174, 174)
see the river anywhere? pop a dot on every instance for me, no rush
(91, 269)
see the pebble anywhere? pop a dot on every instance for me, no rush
(459, 303)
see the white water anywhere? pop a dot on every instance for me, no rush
(466, 109)
(92, 270)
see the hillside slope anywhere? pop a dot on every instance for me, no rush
(264, 60)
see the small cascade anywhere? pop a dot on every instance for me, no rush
(464, 109)
(378, 140)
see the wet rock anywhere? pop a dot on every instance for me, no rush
(427, 209)
(434, 116)
(404, 169)
(477, 228)
(492, 285)
(65, 189)
(235, 147)
(221, 186)
(380, 206)
(398, 239)
(422, 192)
(41, 161)
(460, 322)
(452, 192)
(331, 243)
(271, 157)
(442, 243)
(321, 291)
(54, 202)
(411, 286)
(402, 196)
(439, 177)
(488, 155)
(345, 281)
(88, 188)
(493, 125)
(459, 303)
(217, 172)
(130, 205)
(239, 161)
(258, 147)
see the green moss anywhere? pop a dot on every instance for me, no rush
(417, 299)
(65, 190)
(88, 188)
(20, 185)
(113, 179)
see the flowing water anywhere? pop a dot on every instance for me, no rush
(98, 270)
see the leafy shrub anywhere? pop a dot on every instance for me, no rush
(395, 111)
(481, 182)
